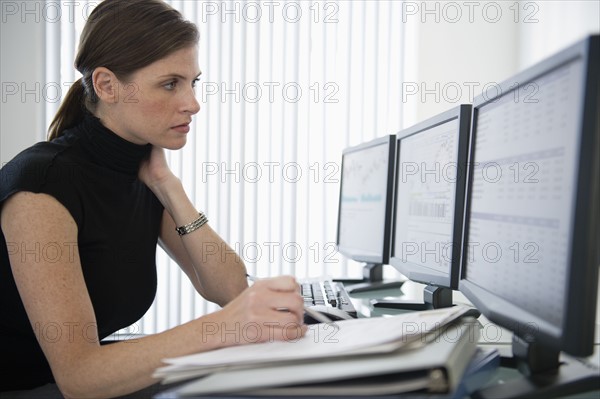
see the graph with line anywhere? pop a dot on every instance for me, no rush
(363, 199)
(425, 197)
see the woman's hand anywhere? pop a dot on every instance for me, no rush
(154, 170)
(270, 310)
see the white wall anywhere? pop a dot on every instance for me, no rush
(557, 26)
(21, 77)
(454, 50)
(469, 44)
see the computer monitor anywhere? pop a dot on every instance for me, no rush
(530, 246)
(429, 206)
(365, 209)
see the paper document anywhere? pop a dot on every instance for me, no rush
(369, 335)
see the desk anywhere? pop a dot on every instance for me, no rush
(491, 334)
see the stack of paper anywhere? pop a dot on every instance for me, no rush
(420, 350)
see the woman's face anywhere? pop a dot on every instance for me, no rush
(156, 104)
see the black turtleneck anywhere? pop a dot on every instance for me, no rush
(92, 172)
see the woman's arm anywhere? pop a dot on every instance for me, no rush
(55, 292)
(214, 268)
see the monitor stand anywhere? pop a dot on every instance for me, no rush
(434, 298)
(372, 280)
(542, 374)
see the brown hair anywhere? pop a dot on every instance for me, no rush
(123, 36)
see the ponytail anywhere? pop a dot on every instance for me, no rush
(71, 111)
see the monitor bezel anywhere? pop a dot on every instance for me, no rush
(415, 271)
(390, 140)
(576, 334)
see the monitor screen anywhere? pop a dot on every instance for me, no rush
(365, 200)
(429, 199)
(531, 225)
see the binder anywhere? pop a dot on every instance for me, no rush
(434, 364)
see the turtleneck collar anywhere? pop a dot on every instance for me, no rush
(108, 149)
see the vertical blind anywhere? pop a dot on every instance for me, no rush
(286, 85)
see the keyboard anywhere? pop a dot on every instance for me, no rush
(327, 293)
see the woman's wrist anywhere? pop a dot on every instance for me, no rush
(210, 328)
(172, 196)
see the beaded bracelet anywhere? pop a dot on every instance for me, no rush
(193, 226)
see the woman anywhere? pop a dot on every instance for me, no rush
(82, 213)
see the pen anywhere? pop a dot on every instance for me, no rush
(318, 316)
